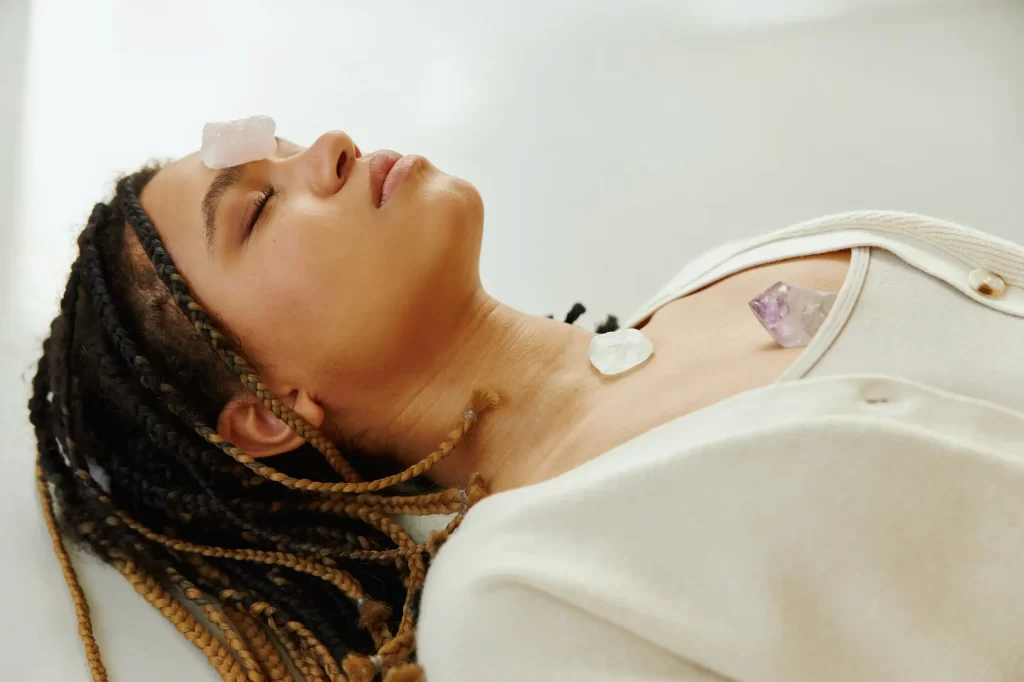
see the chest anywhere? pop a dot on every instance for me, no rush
(708, 347)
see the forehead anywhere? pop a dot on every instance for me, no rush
(189, 169)
(181, 184)
(173, 198)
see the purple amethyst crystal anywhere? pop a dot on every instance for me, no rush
(790, 314)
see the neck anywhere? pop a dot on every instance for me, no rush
(540, 370)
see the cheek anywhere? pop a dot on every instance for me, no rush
(445, 212)
(442, 239)
(320, 245)
(316, 270)
(430, 264)
(350, 284)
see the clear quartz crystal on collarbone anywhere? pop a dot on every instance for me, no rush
(620, 350)
(792, 315)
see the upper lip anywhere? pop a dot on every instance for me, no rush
(380, 163)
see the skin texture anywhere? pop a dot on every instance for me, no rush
(371, 322)
(327, 288)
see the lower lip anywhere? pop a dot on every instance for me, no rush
(397, 174)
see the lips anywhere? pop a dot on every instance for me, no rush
(397, 175)
(381, 162)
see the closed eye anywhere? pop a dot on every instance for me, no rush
(258, 205)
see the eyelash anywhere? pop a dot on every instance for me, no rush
(260, 204)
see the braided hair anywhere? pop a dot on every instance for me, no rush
(303, 554)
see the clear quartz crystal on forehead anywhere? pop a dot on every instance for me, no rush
(230, 143)
(792, 315)
(620, 350)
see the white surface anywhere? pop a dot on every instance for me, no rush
(611, 142)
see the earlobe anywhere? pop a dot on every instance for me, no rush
(308, 408)
(246, 422)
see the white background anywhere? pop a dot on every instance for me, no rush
(611, 143)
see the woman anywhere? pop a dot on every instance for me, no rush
(844, 509)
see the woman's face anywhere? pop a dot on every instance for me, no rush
(325, 285)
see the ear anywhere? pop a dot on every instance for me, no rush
(249, 424)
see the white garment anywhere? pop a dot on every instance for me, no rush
(860, 519)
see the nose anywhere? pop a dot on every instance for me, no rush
(328, 162)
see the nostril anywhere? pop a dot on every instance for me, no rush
(341, 164)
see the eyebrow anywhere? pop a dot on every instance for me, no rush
(225, 180)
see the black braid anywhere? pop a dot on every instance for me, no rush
(83, 378)
(298, 606)
(610, 324)
(160, 430)
(131, 377)
(92, 501)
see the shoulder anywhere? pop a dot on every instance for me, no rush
(734, 536)
(944, 249)
(785, 424)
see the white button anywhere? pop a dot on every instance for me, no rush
(987, 283)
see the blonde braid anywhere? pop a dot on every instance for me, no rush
(261, 646)
(475, 491)
(171, 609)
(340, 579)
(92, 649)
(233, 641)
(168, 273)
(307, 640)
(262, 610)
(306, 666)
(443, 502)
(407, 672)
(398, 650)
(391, 660)
(90, 373)
(480, 403)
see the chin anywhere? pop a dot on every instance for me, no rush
(458, 203)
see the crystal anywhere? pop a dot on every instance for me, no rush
(620, 350)
(230, 143)
(790, 314)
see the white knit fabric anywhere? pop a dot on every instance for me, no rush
(860, 519)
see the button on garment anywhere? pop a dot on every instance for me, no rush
(860, 519)
(987, 283)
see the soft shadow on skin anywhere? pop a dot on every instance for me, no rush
(632, 370)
